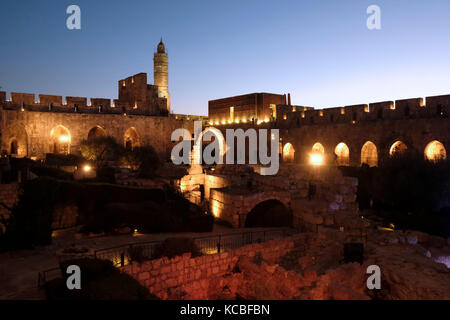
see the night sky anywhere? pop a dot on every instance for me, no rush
(319, 51)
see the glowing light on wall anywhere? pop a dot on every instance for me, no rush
(266, 120)
(316, 159)
(244, 120)
(64, 139)
(215, 209)
(87, 168)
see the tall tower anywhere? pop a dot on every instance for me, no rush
(161, 72)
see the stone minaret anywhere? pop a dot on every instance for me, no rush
(161, 72)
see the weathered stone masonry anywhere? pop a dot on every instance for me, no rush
(193, 273)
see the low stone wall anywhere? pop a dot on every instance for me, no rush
(161, 275)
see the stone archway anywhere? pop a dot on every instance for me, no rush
(288, 153)
(15, 141)
(397, 148)
(342, 153)
(131, 139)
(269, 213)
(435, 151)
(369, 154)
(60, 140)
(96, 132)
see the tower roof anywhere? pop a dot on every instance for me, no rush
(161, 47)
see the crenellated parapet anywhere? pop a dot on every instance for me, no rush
(295, 116)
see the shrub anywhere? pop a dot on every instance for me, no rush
(100, 150)
(172, 247)
(144, 159)
(100, 280)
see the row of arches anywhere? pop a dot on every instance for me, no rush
(60, 140)
(434, 151)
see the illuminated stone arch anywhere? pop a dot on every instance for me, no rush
(131, 138)
(60, 140)
(318, 148)
(96, 132)
(435, 151)
(342, 153)
(369, 154)
(15, 141)
(288, 153)
(398, 147)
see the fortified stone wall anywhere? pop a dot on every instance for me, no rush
(163, 274)
(35, 130)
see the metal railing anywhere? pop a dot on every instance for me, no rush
(120, 255)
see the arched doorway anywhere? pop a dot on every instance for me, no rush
(288, 153)
(15, 141)
(342, 154)
(397, 148)
(14, 147)
(369, 154)
(131, 139)
(435, 151)
(96, 132)
(60, 140)
(269, 213)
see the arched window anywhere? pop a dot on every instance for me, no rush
(288, 153)
(369, 154)
(397, 148)
(131, 138)
(14, 147)
(60, 140)
(342, 154)
(96, 132)
(435, 151)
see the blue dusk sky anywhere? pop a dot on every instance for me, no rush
(319, 51)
